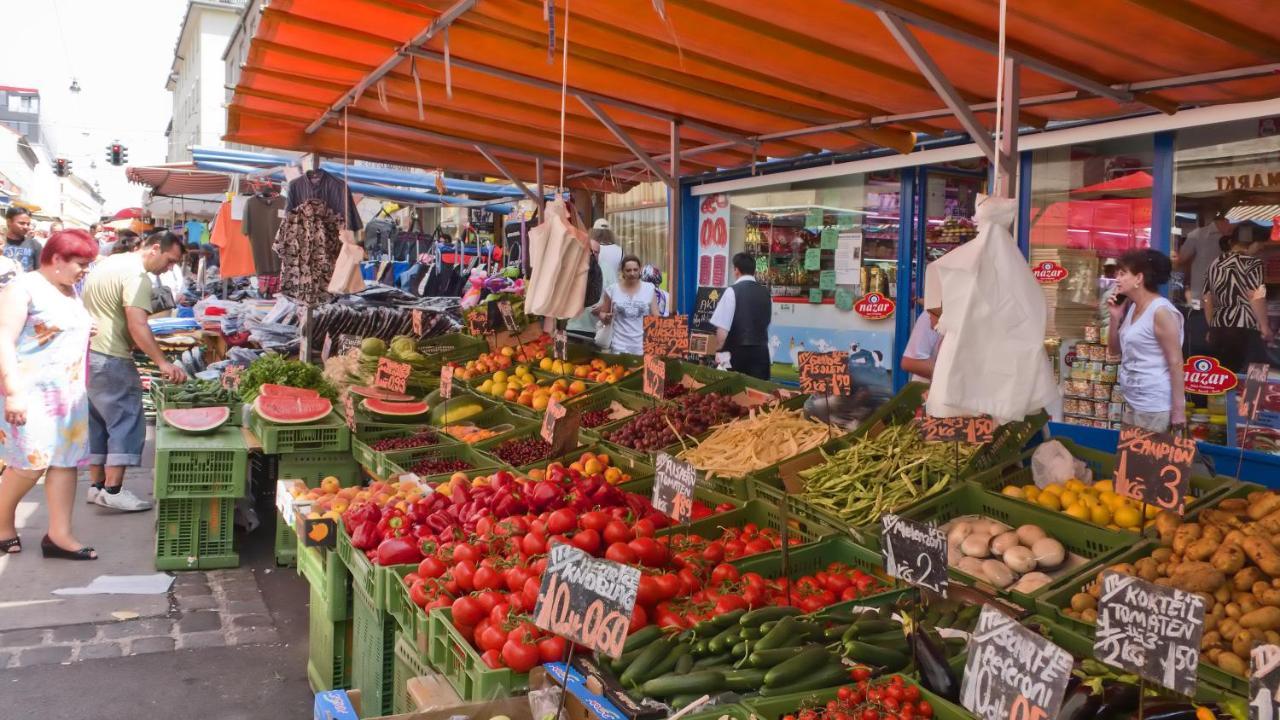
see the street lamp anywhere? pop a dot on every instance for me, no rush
(75, 85)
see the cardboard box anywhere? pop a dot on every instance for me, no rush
(337, 705)
(601, 681)
(516, 708)
(429, 692)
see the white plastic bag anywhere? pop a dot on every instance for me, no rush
(1053, 463)
(992, 359)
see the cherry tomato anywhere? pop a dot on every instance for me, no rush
(621, 552)
(911, 693)
(924, 709)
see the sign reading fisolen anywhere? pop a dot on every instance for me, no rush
(915, 552)
(673, 485)
(824, 373)
(585, 600)
(1154, 468)
(1011, 672)
(666, 336)
(508, 317)
(655, 376)
(971, 430)
(392, 375)
(446, 382)
(1150, 629)
(1264, 682)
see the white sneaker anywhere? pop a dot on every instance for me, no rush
(91, 495)
(124, 501)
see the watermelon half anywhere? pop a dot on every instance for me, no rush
(270, 390)
(292, 410)
(377, 393)
(386, 408)
(196, 420)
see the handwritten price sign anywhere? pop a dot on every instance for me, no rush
(1012, 673)
(1255, 384)
(349, 411)
(392, 375)
(508, 317)
(446, 382)
(655, 376)
(914, 552)
(971, 430)
(1154, 468)
(1130, 610)
(585, 600)
(673, 486)
(560, 345)
(560, 428)
(418, 329)
(478, 322)
(825, 373)
(1264, 682)
(666, 336)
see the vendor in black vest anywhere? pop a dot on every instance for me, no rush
(742, 321)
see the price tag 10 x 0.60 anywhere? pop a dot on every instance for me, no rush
(915, 552)
(971, 430)
(1154, 468)
(585, 600)
(446, 382)
(824, 373)
(1150, 630)
(1011, 672)
(392, 375)
(655, 376)
(673, 486)
(1264, 683)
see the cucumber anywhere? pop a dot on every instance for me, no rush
(712, 661)
(702, 682)
(702, 648)
(765, 614)
(889, 659)
(679, 701)
(811, 630)
(889, 639)
(645, 662)
(835, 632)
(780, 636)
(837, 615)
(684, 664)
(873, 627)
(797, 668)
(740, 650)
(624, 660)
(725, 640)
(744, 679)
(729, 618)
(769, 658)
(640, 638)
(765, 627)
(668, 663)
(751, 633)
(830, 675)
(947, 619)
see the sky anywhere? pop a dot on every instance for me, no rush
(120, 51)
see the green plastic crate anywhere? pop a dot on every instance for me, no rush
(488, 446)
(677, 370)
(605, 397)
(451, 346)
(366, 456)
(730, 711)
(373, 656)
(809, 559)
(738, 383)
(312, 467)
(162, 395)
(753, 511)
(399, 605)
(196, 534)
(452, 656)
(1096, 545)
(497, 417)
(329, 434)
(200, 466)
(325, 571)
(398, 463)
(286, 543)
(774, 708)
(408, 665)
(796, 507)
(328, 647)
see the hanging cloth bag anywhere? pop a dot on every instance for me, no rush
(559, 255)
(346, 270)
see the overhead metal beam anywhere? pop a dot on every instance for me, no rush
(674, 225)
(625, 139)
(440, 23)
(453, 140)
(941, 85)
(1211, 24)
(494, 161)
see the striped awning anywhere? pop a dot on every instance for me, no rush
(179, 179)
(1254, 213)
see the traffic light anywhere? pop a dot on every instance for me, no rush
(62, 167)
(117, 154)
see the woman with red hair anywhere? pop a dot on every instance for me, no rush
(44, 341)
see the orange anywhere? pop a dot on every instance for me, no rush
(539, 402)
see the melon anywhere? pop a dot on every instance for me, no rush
(196, 420)
(292, 410)
(378, 393)
(269, 390)
(386, 408)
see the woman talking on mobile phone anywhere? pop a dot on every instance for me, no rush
(1146, 330)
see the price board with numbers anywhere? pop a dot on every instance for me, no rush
(349, 410)
(392, 375)
(478, 322)
(971, 430)
(508, 317)
(673, 486)
(666, 336)
(1154, 468)
(1012, 673)
(655, 376)
(586, 600)
(914, 552)
(560, 427)
(1264, 682)
(824, 373)
(446, 382)
(1150, 629)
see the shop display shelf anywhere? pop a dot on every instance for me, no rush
(775, 708)
(407, 665)
(489, 446)
(1098, 546)
(196, 534)
(752, 511)
(452, 656)
(365, 456)
(324, 570)
(328, 647)
(373, 651)
(808, 559)
(286, 549)
(399, 463)
(329, 434)
(162, 397)
(200, 466)
(1206, 489)
(313, 467)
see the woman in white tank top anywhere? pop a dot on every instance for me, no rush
(1146, 329)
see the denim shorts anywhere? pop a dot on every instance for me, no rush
(117, 426)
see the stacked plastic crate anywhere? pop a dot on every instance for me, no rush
(309, 453)
(198, 479)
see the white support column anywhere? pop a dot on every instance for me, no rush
(673, 220)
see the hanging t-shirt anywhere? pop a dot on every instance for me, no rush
(235, 255)
(328, 189)
(197, 232)
(262, 216)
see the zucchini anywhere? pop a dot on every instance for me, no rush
(668, 663)
(700, 682)
(645, 662)
(797, 668)
(781, 635)
(889, 659)
(712, 661)
(830, 675)
(756, 617)
(768, 658)
(641, 637)
(744, 679)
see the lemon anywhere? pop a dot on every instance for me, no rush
(500, 376)
(1127, 517)
(1049, 500)
(486, 387)
(1067, 498)
(1110, 499)
(1079, 512)
(498, 388)
(1052, 489)
(1031, 492)
(1013, 491)
(1100, 515)
(1074, 484)
(1090, 501)
(1104, 486)
(1152, 512)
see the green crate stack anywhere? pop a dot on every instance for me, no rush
(196, 534)
(328, 646)
(212, 465)
(452, 656)
(312, 467)
(372, 581)
(286, 543)
(323, 569)
(408, 665)
(373, 651)
(328, 434)
(414, 622)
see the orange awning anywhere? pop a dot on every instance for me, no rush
(747, 80)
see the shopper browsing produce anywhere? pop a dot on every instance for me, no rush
(625, 306)
(1146, 330)
(742, 321)
(922, 347)
(44, 334)
(1235, 303)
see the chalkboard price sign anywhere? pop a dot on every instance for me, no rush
(915, 552)
(348, 344)
(446, 382)
(824, 373)
(1255, 384)
(586, 600)
(971, 430)
(1154, 468)
(673, 486)
(704, 306)
(1150, 630)
(478, 322)
(1264, 683)
(655, 376)
(666, 336)
(560, 428)
(392, 375)
(349, 410)
(1011, 672)
(508, 317)
(560, 345)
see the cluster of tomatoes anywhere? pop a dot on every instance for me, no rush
(891, 698)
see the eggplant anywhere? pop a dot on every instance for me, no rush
(1169, 710)
(935, 674)
(1079, 702)
(1119, 699)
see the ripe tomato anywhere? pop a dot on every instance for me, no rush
(533, 543)
(713, 552)
(647, 592)
(514, 577)
(649, 551)
(729, 603)
(617, 532)
(492, 658)
(924, 709)
(465, 552)
(489, 637)
(594, 520)
(588, 541)
(431, 567)
(639, 618)
(870, 714)
(724, 572)
(464, 574)
(911, 693)
(498, 615)
(644, 528)
(467, 611)
(844, 693)
(621, 552)
(551, 649)
(668, 585)
(561, 521)
(418, 594)
(486, 578)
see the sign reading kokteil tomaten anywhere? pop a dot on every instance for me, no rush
(1049, 272)
(1013, 673)
(1150, 630)
(585, 600)
(666, 336)
(874, 306)
(824, 373)
(1204, 375)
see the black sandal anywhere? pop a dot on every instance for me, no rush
(12, 546)
(50, 549)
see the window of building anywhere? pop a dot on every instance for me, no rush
(638, 218)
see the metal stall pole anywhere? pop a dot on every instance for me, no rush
(673, 221)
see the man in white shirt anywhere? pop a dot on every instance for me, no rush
(742, 321)
(922, 347)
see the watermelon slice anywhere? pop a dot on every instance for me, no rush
(269, 390)
(386, 408)
(291, 410)
(378, 393)
(196, 420)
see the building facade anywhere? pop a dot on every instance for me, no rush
(197, 76)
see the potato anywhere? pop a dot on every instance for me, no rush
(1263, 554)
(1197, 577)
(1245, 579)
(1248, 603)
(1232, 663)
(958, 532)
(1083, 601)
(1234, 506)
(1147, 569)
(1229, 627)
(1212, 654)
(1222, 594)
(1242, 643)
(1201, 549)
(1264, 506)
(1162, 555)
(1019, 558)
(1089, 616)
(1184, 536)
(1233, 611)
(1029, 534)
(1033, 581)
(1227, 558)
(1167, 523)
(1209, 639)
(1210, 623)
(1235, 537)
(1264, 618)
(1269, 597)
(1049, 553)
